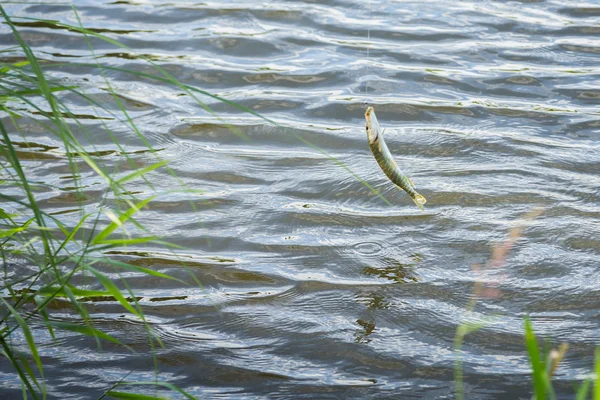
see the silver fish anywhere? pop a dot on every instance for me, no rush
(386, 161)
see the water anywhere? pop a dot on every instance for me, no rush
(312, 287)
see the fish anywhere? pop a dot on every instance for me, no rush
(386, 161)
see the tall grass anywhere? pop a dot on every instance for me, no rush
(52, 251)
(544, 364)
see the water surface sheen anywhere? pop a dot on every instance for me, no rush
(312, 286)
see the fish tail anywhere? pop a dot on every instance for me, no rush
(419, 200)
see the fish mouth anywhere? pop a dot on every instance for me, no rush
(372, 135)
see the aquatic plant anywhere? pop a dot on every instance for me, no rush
(42, 255)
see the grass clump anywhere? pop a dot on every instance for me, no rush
(45, 258)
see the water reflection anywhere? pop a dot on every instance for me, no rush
(366, 329)
(374, 300)
(395, 271)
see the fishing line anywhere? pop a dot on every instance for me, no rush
(368, 48)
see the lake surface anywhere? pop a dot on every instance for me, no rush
(312, 286)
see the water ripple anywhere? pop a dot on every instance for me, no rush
(311, 286)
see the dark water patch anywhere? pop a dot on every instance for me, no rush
(74, 116)
(545, 117)
(584, 129)
(388, 112)
(394, 271)
(171, 298)
(50, 25)
(403, 34)
(495, 89)
(261, 106)
(170, 261)
(96, 299)
(273, 79)
(580, 30)
(35, 155)
(586, 96)
(581, 11)
(580, 48)
(101, 153)
(32, 145)
(135, 56)
(48, 9)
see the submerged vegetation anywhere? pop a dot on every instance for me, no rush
(49, 263)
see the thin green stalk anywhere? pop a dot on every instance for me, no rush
(11, 357)
(597, 370)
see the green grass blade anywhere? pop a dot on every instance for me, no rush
(71, 234)
(29, 371)
(584, 389)
(597, 370)
(43, 85)
(135, 268)
(29, 92)
(122, 218)
(28, 336)
(537, 364)
(141, 172)
(83, 329)
(164, 384)
(13, 66)
(39, 303)
(80, 308)
(112, 288)
(58, 291)
(10, 232)
(128, 242)
(24, 381)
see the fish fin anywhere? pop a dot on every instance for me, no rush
(383, 132)
(419, 201)
(411, 182)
